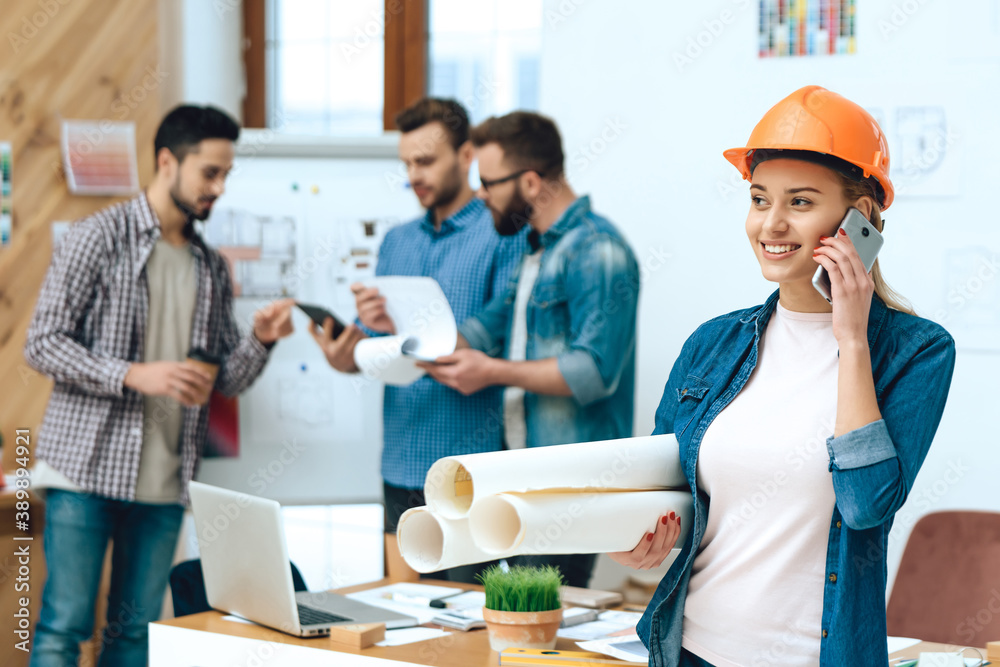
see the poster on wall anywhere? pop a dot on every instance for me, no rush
(807, 28)
(99, 157)
(6, 210)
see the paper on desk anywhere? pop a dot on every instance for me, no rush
(422, 612)
(467, 600)
(607, 623)
(900, 643)
(628, 648)
(455, 483)
(410, 636)
(425, 330)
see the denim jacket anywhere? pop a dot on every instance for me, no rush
(873, 468)
(582, 312)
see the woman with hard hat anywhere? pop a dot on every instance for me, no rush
(802, 423)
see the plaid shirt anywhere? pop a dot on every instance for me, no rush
(90, 325)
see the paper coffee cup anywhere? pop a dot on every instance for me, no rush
(207, 362)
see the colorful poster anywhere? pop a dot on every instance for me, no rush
(807, 27)
(6, 210)
(99, 157)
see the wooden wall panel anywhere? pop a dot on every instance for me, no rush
(85, 59)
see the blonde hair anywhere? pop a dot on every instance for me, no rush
(853, 190)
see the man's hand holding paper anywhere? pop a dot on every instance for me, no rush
(423, 321)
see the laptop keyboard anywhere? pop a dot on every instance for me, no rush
(313, 616)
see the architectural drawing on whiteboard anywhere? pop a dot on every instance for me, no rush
(923, 146)
(307, 400)
(260, 250)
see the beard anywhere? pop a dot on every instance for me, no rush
(450, 188)
(514, 216)
(186, 207)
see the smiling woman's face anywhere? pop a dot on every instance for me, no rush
(792, 204)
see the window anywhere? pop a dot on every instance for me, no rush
(485, 54)
(346, 67)
(325, 66)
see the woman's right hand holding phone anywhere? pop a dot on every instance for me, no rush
(654, 547)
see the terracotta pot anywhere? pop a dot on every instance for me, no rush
(523, 629)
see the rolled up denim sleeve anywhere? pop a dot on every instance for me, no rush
(874, 466)
(487, 330)
(603, 296)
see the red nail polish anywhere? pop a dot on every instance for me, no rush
(823, 237)
(842, 232)
(663, 520)
(672, 515)
(649, 537)
(815, 255)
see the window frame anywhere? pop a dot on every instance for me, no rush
(406, 44)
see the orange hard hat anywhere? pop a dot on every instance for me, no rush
(814, 120)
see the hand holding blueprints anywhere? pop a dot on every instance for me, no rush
(425, 330)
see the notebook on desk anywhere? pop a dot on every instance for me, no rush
(245, 563)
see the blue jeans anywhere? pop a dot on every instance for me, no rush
(77, 529)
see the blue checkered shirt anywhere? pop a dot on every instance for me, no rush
(426, 420)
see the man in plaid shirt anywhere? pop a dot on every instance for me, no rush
(130, 291)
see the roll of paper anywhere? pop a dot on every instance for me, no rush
(572, 523)
(454, 483)
(429, 542)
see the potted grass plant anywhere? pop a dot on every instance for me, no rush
(522, 606)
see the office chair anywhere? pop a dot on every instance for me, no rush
(948, 586)
(187, 587)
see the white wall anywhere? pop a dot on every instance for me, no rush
(658, 172)
(201, 49)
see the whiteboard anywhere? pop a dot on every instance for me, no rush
(310, 435)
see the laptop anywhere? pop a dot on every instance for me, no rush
(245, 562)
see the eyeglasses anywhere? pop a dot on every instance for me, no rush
(487, 184)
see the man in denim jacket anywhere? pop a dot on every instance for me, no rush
(561, 338)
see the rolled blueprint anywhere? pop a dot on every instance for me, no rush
(382, 358)
(430, 543)
(629, 464)
(572, 523)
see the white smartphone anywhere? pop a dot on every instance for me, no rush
(867, 241)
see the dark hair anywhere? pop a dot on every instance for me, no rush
(449, 113)
(529, 141)
(186, 126)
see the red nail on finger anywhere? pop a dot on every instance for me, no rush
(649, 537)
(842, 232)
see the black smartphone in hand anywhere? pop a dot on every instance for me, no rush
(318, 314)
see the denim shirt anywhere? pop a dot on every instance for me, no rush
(873, 468)
(581, 311)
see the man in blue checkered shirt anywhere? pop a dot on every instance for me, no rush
(454, 243)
